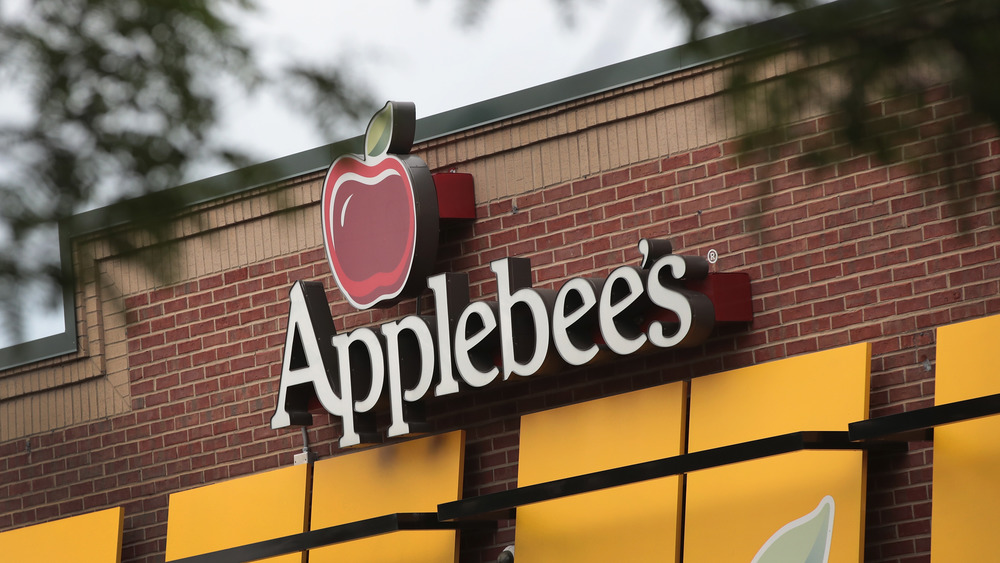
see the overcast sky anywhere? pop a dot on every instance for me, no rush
(421, 51)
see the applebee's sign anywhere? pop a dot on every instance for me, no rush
(380, 214)
(464, 344)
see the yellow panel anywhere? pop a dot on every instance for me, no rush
(733, 511)
(90, 538)
(238, 512)
(966, 513)
(819, 391)
(638, 522)
(412, 476)
(967, 360)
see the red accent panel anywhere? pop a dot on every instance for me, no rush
(730, 293)
(456, 196)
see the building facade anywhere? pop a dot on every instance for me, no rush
(174, 379)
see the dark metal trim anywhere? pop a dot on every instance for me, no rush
(332, 535)
(865, 434)
(483, 511)
(502, 504)
(915, 425)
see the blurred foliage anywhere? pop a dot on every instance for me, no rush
(848, 54)
(120, 96)
(845, 59)
(117, 99)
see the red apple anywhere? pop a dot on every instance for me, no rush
(380, 219)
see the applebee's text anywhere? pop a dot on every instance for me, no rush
(473, 344)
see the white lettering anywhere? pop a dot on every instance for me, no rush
(475, 342)
(526, 330)
(439, 288)
(375, 374)
(573, 320)
(402, 365)
(473, 345)
(308, 363)
(695, 312)
(621, 291)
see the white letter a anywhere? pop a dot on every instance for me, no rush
(309, 358)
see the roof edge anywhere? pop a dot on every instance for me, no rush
(518, 103)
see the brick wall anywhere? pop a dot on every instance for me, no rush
(851, 251)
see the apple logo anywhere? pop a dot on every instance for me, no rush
(380, 214)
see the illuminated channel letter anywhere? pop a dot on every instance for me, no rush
(619, 306)
(361, 363)
(475, 341)
(307, 366)
(574, 320)
(411, 362)
(451, 296)
(695, 312)
(524, 317)
(587, 319)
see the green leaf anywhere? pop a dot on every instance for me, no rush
(379, 132)
(804, 540)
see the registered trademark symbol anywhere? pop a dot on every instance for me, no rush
(713, 256)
